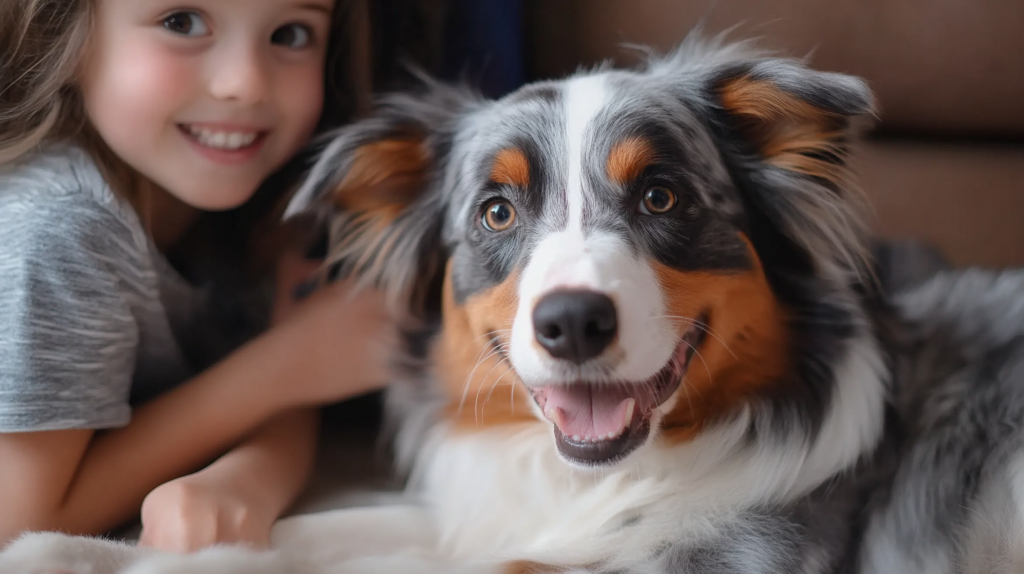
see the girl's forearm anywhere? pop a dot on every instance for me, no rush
(332, 348)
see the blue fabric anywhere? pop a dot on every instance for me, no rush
(485, 45)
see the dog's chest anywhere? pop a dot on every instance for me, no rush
(507, 492)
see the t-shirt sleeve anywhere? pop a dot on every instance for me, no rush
(67, 335)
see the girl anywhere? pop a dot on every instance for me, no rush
(121, 121)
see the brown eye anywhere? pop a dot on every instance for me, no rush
(657, 201)
(499, 215)
(186, 23)
(294, 36)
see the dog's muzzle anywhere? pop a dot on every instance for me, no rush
(599, 422)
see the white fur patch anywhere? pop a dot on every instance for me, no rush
(584, 98)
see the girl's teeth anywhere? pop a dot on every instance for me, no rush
(223, 140)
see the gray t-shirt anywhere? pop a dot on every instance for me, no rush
(92, 316)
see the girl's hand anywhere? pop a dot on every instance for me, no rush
(200, 510)
(293, 271)
(347, 340)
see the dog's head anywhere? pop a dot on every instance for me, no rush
(602, 247)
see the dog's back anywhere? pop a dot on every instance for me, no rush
(956, 500)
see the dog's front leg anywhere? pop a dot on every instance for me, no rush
(330, 537)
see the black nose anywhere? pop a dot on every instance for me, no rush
(575, 325)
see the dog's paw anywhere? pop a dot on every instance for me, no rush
(53, 553)
(219, 560)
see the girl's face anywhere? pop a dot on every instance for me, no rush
(206, 98)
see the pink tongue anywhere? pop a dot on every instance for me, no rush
(585, 411)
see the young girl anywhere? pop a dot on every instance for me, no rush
(120, 122)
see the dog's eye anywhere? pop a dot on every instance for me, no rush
(657, 200)
(499, 215)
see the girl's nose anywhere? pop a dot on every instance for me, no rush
(240, 74)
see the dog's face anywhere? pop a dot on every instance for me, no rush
(599, 237)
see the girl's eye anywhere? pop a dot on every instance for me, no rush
(499, 215)
(186, 24)
(658, 200)
(294, 36)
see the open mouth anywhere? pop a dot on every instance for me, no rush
(602, 423)
(224, 145)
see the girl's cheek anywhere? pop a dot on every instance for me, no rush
(139, 88)
(305, 100)
(161, 77)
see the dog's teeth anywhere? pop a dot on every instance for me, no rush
(630, 405)
(576, 437)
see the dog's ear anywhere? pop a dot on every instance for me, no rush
(787, 130)
(379, 184)
(796, 127)
(798, 119)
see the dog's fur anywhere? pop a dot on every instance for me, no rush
(820, 425)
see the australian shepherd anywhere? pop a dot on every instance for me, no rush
(648, 336)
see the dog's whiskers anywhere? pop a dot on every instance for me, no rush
(477, 411)
(700, 325)
(490, 351)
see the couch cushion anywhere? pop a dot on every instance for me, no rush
(966, 199)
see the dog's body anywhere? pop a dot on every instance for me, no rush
(648, 346)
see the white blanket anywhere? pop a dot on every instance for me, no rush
(390, 538)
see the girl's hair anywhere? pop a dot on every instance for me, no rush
(41, 42)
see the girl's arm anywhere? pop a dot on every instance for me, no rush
(334, 346)
(237, 498)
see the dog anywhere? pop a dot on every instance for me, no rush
(648, 336)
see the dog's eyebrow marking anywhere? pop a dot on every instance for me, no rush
(511, 167)
(628, 159)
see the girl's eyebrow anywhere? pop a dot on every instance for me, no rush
(316, 7)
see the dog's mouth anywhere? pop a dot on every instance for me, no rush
(602, 423)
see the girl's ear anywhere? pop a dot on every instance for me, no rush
(378, 182)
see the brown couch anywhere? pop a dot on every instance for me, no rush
(946, 161)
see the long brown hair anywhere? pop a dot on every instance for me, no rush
(41, 42)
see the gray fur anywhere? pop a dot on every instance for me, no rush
(960, 401)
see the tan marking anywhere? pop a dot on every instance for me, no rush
(383, 174)
(483, 390)
(385, 177)
(628, 159)
(747, 352)
(511, 168)
(790, 133)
